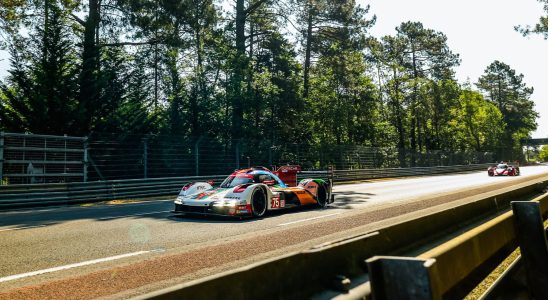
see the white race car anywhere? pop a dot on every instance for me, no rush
(252, 192)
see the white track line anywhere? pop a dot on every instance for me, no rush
(21, 228)
(310, 219)
(135, 215)
(71, 266)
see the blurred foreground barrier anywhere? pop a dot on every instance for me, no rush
(339, 269)
(453, 269)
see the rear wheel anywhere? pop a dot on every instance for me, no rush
(322, 196)
(258, 202)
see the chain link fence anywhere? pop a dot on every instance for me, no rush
(171, 156)
(111, 157)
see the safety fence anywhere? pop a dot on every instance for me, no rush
(20, 195)
(354, 268)
(28, 158)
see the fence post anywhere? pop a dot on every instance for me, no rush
(197, 156)
(86, 159)
(1, 158)
(394, 278)
(238, 155)
(270, 155)
(532, 243)
(145, 158)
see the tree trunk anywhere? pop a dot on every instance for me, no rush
(90, 62)
(414, 121)
(399, 123)
(308, 53)
(239, 70)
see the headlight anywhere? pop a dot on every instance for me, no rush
(230, 203)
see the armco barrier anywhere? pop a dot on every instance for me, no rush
(67, 193)
(364, 174)
(327, 270)
(454, 268)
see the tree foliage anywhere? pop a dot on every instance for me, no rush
(539, 28)
(296, 71)
(506, 90)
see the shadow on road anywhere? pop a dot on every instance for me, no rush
(344, 200)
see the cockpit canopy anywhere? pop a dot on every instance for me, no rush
(250, 176)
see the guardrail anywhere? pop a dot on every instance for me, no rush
(364, 174)
(339, 269)
(71, 193)
(68, 193)
(449, 270)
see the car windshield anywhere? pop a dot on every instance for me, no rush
(502, 166)
(232, 181)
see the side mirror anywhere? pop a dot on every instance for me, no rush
(269, 182)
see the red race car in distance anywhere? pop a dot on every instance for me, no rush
(503, 169)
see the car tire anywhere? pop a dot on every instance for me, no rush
(323, 196)
(258, 203)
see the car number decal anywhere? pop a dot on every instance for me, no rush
(277, 203)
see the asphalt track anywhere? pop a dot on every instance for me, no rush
(116, 247)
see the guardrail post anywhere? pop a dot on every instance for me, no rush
(197, 156)
(394, 278)
(532, 243)
(1, 158)
(86, 158)
(145, 158)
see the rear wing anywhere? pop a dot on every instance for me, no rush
(288, 174)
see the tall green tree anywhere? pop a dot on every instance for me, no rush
(40, 93)
(322, 23)
(345, 106)
(415, 78)
(478, 123)
(506, 89)
(426, 56)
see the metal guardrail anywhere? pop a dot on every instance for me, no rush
(71, 193)
(329, 269)
(68, 193)
(451, 269)
(364, 174)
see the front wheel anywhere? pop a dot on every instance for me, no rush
(258, 203)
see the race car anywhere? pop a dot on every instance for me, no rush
(253, 192)
(503, 169)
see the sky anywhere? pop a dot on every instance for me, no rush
(481, 31)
